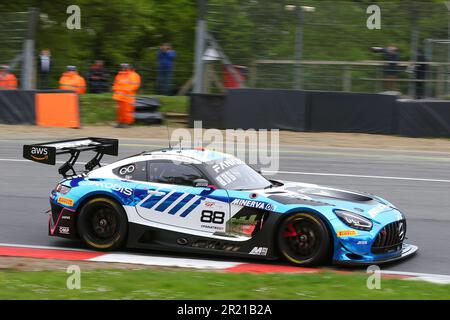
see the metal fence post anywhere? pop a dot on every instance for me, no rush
(447, 4)
(415, 20)
(27, 77)
(200, 46)
(298, 47)
(347, 79)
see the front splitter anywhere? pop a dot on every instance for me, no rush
(407, 251)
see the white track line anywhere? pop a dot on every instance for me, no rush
(164, 261)
(300, 173)
(428, 277)
(355, 176)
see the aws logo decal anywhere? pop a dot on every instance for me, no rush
(39, 154)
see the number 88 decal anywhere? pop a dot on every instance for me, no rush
(209, 216)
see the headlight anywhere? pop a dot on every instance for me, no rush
(62, 189)
(354, 220)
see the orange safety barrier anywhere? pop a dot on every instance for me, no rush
(57, 110)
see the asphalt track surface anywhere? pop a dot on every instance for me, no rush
(418, 183)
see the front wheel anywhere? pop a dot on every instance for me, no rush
(303, 239)
(102, 224)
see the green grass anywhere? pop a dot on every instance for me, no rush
(101, 108)
(151, 284)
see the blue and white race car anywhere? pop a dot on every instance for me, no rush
(200, 201)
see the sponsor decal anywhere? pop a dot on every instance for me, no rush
(259, 251)
(75, 144)
(362, 242)
(347, 233)
(65, 201)
(39, 153)
(253, 204)
(127, 170)
(206, 226)
(64, 230)
(112, 186)
(226, 164)
(208, 203)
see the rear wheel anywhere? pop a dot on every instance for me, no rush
(102, 224)
(303, 239)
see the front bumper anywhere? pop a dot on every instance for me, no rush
(61, 221)
(360, 260)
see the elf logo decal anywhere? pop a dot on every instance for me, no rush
(253, 204)
(259, 251)
(39, 154)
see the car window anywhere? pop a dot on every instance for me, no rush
(132, 171)
(168, 172)
(234, 174)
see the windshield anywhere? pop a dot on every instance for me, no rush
(234, 174)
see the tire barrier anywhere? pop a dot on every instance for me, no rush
(17, 107)
(424, 118)
(319, 111)
(209, 108)
(56, 108)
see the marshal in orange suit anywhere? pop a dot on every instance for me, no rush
(8, 81)
(126, 83)
(71, 80)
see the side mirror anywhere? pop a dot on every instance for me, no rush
(201, 183)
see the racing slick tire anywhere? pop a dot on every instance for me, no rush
(102, 224)
(303, 239)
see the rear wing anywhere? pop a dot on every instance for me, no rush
(46, 152)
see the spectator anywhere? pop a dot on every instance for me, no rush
(390, 54)
(166, 57)
(71, 80)
(45, 63)
(98, 78)
(126, 84)
(420, 70)
(8, 80)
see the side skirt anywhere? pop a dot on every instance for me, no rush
(261, 246)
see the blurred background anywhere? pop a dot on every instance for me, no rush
(311, 45)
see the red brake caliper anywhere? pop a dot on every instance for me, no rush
(291, 232)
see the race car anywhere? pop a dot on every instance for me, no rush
(207, 202)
